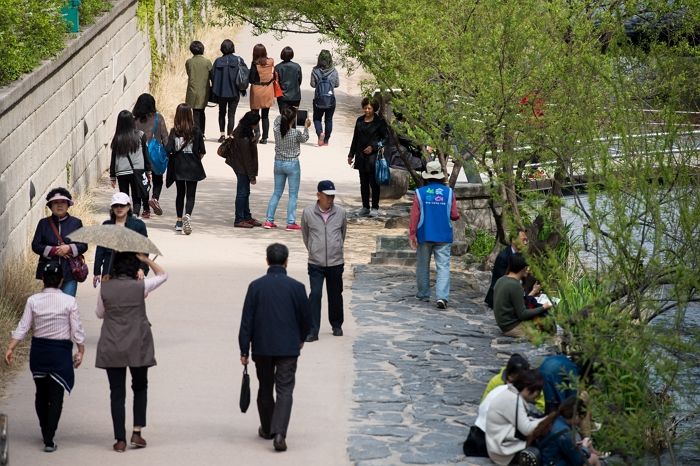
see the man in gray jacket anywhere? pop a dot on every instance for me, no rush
(323, 228)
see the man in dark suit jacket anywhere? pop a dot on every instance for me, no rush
(275, 321)
(500, 266)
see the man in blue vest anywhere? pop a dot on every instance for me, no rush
(430, 232)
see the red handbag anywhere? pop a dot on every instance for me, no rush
(276, 85)
(77, 264)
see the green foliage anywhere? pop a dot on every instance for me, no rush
(482, 245)
(30, 31)
(91, 9)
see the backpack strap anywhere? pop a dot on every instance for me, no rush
(155, 125)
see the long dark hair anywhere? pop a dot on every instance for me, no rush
(288, 116)
(126, 140)
(184, 122)
(246, 124)
(259, 54)
(145, 105)
(568, 409)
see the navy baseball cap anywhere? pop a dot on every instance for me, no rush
(326, 187)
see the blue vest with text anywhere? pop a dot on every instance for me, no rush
(434, 224)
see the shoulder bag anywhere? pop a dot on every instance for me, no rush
(156, 151)
(77, 264)
(143, 186)
(381, 168)
(530, 456)
(276, 85)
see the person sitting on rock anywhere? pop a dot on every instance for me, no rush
(508, 302)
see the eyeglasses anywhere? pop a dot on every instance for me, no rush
(116, 206)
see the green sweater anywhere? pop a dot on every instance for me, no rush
(509, 304)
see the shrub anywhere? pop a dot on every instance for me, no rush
(483, 244)
(91, 9)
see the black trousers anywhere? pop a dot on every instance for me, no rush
(284, 104)
(49, 405)
(367, 182)
(127, 184)
(185, 189)
(334, 288)
(200, 118)
(117, 396)
(157, 186)
(265, 119)
(275, 373)
(229, 104)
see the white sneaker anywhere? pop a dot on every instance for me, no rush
(186, 225)
(374, 213)
(363, 212)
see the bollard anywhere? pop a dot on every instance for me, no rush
(71, 15)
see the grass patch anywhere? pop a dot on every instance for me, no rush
(482, 245)
(17, 283)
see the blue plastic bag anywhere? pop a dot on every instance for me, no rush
(156, 151)
(381, 169)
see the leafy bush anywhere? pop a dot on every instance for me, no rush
(91, 9)
(482, 245)
(30, 31)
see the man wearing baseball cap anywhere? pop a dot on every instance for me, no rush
(430, 233)
(323, 228)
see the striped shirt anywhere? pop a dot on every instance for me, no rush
(287, 148)
(149, 284)
(51, 314)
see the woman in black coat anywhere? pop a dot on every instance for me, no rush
(369, 136)
(52, 249)
(120, 213)
(185, 149)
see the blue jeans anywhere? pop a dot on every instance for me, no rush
(285, 170)
(242, 198)
(442, 252)
(328, 120)
(70, 287)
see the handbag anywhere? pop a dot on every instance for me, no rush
(381, 168)
(245, 390)
(156, 151)
(143, 186)
(276, 85)
(530, 456)
(475, 444)
(78, 267)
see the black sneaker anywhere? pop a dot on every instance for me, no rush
(178, 225)
(50, 448)
(441, 304)
(222, 138)
(311, 338)
(337, 332)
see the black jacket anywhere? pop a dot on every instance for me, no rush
(45, 238)
(104, 257)
(223, 76)
(366, 134)
(241, 154)
(185, 163)
(499, 269)
(290, 80)
(276, 316)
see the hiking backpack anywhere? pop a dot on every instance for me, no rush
(324, 97)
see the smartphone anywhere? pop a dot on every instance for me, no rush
(302, 115)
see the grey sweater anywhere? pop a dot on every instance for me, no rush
(324, 240)
(509, 304)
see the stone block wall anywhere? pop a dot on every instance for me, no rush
(56, 123)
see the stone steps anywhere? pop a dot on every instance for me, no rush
(393, 250)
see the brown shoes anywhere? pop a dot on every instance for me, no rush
(137, 441)
(120, 446)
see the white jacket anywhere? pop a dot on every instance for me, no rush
(500, 426)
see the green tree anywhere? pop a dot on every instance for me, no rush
(571, 84)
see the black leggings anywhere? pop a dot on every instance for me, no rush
(230, 104)
(117, 396)
(127, 184)
(367, 181)
(265, 118)
(186, 189)
(48, 404)
(157, 186)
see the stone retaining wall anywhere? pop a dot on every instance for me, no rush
(56, 123)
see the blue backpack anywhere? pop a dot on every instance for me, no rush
(156, 151)
(324, 97)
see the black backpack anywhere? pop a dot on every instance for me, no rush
(324, 97)
(242, 75)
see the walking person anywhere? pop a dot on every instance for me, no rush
(430, 233)
(126, 340)
(50, 240)
(262, 92)
(275, 320)
(241, 154)
(152, 124)
(323, 228)
(324, 78)
(369, 136)
(130, 161)
(289, 75)
(120, 213)
(226, 86)
(186, 148)
(198, 70)
(288, 141)
(54, 320)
